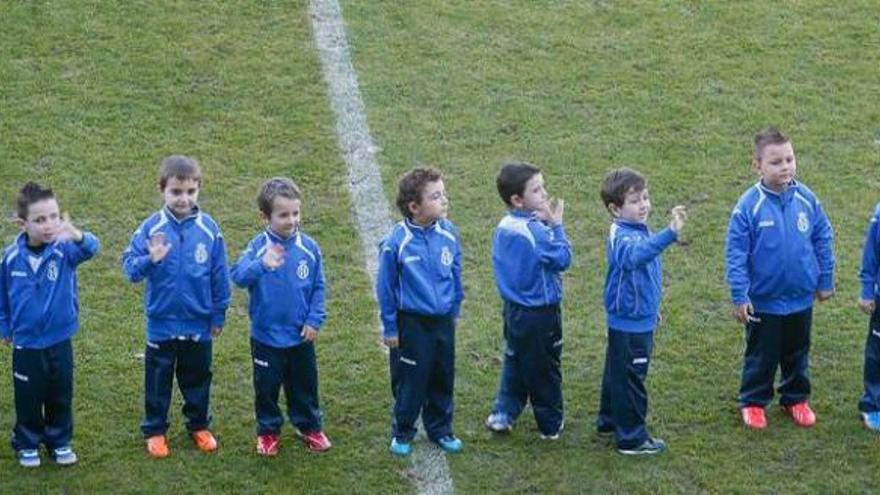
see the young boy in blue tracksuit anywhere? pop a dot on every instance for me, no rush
(869, 275)
(420, 293)
(633, 290)
(529, 253)
(180, 252)
(779, 258)
(39, 313)
(283, 273)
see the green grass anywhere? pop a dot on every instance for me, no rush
(94, 94)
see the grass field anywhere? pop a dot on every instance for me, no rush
(94, 94)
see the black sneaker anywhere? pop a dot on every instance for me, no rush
(648, 447)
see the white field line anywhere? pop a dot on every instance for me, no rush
(371, 210)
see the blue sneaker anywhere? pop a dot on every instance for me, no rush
(64, 456)
(499, 423)
(650, 446)
(872, 420)
(450, 444)
(29, 458)
(400, 448)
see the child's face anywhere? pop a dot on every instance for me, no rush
(42, 222)
(433, 206)
(181, 196)
(636, 207)
(285, 216)
(776, 165)
(534, 196)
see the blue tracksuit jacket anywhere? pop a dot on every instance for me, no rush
(869, 275)
(188, 291)
(528, 258)
(284, 300)
(634, 282)
(39, 307)
(419, 272)
(779, 249)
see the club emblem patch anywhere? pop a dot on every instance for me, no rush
(201, 253)
(52, 271)
(803, 223)
(446, 256)
(302, 270)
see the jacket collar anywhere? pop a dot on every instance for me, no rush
(276, 238)
(21, 241)
(631, 225)
(170, 215)
(419, 229)
(785, 195)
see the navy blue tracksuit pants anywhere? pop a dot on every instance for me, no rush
(296, 369)
(531, 370)
(43, 383)
(624, 401)
(781, 341)
(190, 361)
(423, 375)
(870, 401)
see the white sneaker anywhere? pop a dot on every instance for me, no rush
(29, 458)
(64, 456)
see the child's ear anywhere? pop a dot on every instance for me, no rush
(614, 210)
(517, 201)
(19, 222)
(413, 207)
(756, 165)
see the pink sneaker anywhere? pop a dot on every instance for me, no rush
(267, 445)
(754, 418)
(316, 440)
(801, 413)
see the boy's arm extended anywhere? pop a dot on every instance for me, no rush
(632, 252)
(868, 271)
(220, 292)
(5, 324)
(136, 263)
(553, 251)
(84, 250)
(317, 310)
(249, 267)
(823, 245)
(387, 285)
(737, 257)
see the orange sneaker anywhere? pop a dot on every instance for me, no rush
(801, 413)
(753, 417)
(205, 441)
(157, 446)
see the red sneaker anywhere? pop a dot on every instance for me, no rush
(801, 413)
(267, 445)
(157, 446)
(316, 440)
(754, 418)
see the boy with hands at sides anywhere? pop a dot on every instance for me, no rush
(780, 258)
(420, 293)
(530, 251)
(181, 254)
(282, 270)
(869, 276)
(633, 291)
(39, 313)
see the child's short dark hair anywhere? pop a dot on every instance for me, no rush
(29, 194)
(766, 137)
(180, 167)
(618, 183)
(411, 186)
(273, 188)
(512, 179)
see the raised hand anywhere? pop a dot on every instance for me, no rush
(274, 257)
(158, 247)
(678, 218)
(67, 231)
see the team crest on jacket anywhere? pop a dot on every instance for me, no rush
(201, 253)
(446, 256)
(803, 223)
(302, 270)
(52, 271)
